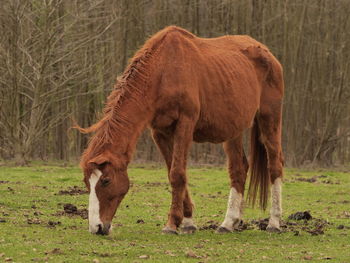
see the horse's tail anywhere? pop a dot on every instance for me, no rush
(259, 175)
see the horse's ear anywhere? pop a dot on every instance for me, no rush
(99, 161)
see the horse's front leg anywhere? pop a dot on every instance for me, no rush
(238, 168)
(165, 144)
(177, 176)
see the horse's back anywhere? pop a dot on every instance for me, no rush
(217, 81)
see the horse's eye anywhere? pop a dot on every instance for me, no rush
(105, 181)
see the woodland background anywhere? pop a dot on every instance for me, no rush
(59, 59)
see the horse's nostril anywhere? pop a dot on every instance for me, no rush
(100, 230)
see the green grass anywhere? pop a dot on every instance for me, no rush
(32, 194)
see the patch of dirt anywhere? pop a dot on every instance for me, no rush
(155, 184)
(210, 225)
(71, 210)
(75, 190)
(33, 221)
(309, 180)
(343, 227)
(300, 216)
(315, 179)
(313, 226)
(328, 181)
(317, 228)
(104, 255)
(297, 222)
(53, 223)
(55, 251)
(4, 182)
(260, 224)
(345, 214)
(191, 254)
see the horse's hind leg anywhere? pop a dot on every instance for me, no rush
(269, 119)
(165, 145)
(238, 168)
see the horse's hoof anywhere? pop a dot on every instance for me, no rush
(223, 230)
(168, 230)
(273, 229)
(188, 229)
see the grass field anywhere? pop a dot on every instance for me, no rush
(35, 228)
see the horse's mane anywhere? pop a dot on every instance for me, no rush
(131, 85)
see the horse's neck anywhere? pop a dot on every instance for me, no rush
(133, 118)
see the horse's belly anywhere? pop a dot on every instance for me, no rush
(219, 131)
(211, 135)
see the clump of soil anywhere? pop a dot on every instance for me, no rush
(210, 225)
(71, 210)
(315, 179)
(300, 216)
(309, 180)
(297, 222)
(54, 251)
(4, 182)
(35, 221)
(214, 225)
(307, 223)
(317, 228)
(260, 224)
(53, 223)
(75, 190)
(156, 184)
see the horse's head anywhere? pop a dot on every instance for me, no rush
(107, 180)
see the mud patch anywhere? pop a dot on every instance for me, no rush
(71, 210)
(313, 226)
(140, 221)
(55, 251)
(4, 182)
(260, 224)
(75, 190)
(315, 179)
(343, 215)
(53, 223)
(33, 221)
(308, 180)
(300, 216)
(210, 225)
(297, 223)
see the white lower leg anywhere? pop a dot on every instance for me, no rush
(276, 204)
(187, 222)
(233, 213)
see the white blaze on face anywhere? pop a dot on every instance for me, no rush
(94, 204)
(276, 203)
(233, 213)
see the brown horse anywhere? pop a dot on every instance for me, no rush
(186, 88)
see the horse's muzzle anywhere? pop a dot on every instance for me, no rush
(103, 229)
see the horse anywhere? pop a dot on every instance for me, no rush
(185, 88)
